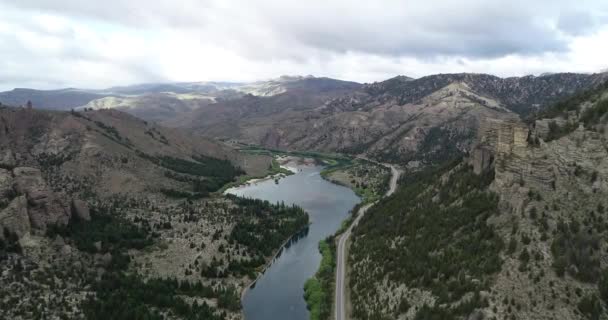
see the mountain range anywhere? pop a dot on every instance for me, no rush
(391, 120)
(499, 213)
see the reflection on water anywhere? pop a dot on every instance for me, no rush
(278, 294)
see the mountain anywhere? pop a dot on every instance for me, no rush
(173, 102)
(153, 106)
(177, 87)
(95, 200)
(71, 98)
(514, 230)
(286, 95)
(295, 83)
(63, 99)
(398, 120)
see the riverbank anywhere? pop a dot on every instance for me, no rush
(341, 302)
(369, 180)
(276, 291)
(319, 290)
(275, 171)
(283, 166)
(270, 260)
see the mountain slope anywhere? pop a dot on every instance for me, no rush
(516, 230)
(153, 106)
(390, 120)
(98, 200)
(63, 99)
(292, 95)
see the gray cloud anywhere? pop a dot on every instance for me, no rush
(140, 40)
(469, 28)
(576, 22)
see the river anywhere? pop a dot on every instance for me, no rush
(279, 293)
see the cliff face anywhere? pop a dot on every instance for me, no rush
(498, 138)
(552, 198)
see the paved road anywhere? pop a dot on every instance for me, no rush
(341, 251)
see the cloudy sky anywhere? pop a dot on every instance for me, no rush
(94, 44)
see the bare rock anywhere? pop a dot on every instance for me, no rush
(14, 218)
(45, 208)
(97, 245)
(80, 210)
(482, 159)
(28, 180)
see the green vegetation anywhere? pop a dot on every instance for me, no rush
(10, 244)
(262, 228)
(120, 294)
(178, 194)
(217, 172)
(596, 107)
(433, 235)
(318, 290)
(575, 246)
(369, 180)
(206, 174)
(570, 104)
(556, 131)
(595, 113)
(440, 145)
(331, 160)
(108, 227)
(591, 307)
(107, 232)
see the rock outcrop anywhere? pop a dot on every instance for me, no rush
(44, 206)
(14, 218)
(496, 140)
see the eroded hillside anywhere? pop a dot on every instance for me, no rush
(398, 120)
(107, 216)
(517, 230)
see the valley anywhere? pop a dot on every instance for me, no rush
(99, 200)
(458, 180)
(278, 293)
(303, 160)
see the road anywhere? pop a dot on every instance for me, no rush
(341, 250)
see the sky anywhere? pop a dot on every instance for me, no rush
(49, 44)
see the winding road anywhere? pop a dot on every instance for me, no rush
(341, 250)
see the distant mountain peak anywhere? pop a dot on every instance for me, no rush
(294, 77)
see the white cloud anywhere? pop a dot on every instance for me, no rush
(57, 43)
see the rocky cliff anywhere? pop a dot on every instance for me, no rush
(515, 230)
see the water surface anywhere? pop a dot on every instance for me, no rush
(278, 294)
